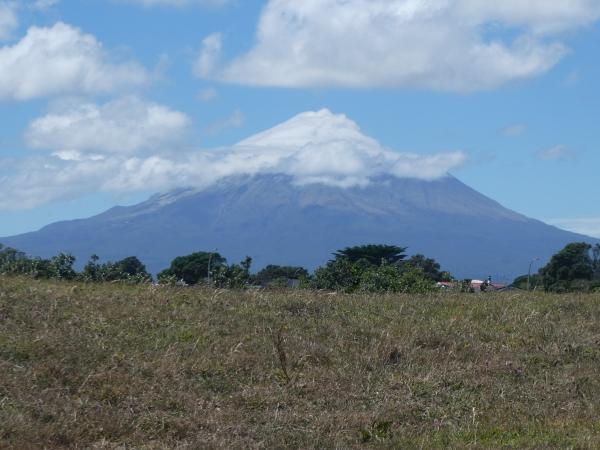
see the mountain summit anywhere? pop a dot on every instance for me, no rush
(311, 128)
(294, 194)
(324, 148)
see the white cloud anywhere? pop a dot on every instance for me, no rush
(210, 55)
(558, 152)
(8, 20)
(454, 45)
(128, 125)
(541, 16)
(43, 5)
(586, 226)
(31, 182)
(313, 147)
(514, 130)
(62, 59)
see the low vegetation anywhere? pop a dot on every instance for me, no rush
(367, 268)
(114, 366)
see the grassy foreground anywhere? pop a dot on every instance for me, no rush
(111, 366)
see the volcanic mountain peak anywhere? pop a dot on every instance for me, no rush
(313, 127)
(294, 194)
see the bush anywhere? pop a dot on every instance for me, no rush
(342, 275)
(338, 275)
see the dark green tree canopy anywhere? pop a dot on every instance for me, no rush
(339, 275)
(129, 269)
(131, 266)
(195, 267)
(273, 272)
(575, 262)
(430, 267)
(373, 254)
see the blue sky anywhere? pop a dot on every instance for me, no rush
(105, 102)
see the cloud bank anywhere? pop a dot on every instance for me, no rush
(62, 60)
(84, 154)
(448, 45)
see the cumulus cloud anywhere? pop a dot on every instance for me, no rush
(62, 59)
(127, 125)
(8, 20)
(314, 147)
(557, 153)
(452, 45)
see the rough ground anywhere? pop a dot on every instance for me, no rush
(111, 366)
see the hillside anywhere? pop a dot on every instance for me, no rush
(110, 366)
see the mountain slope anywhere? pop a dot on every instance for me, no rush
(297, 192)
(275, 221)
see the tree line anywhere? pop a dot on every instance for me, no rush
(575, 268)
(365, 268)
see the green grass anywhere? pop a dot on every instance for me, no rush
(113, 366)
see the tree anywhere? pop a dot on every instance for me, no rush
(373, 254)
(132, 266)
(273, 273)
(430, 267)
(194, 268)
(129, 269)
(384, 278)
(61, 266)
(235, 276)
(339, 275)
(570, 269)
(92, 270)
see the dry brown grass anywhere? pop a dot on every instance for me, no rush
(115, 367)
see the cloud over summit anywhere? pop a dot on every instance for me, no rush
(84, 155)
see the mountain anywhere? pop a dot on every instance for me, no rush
(279, 217)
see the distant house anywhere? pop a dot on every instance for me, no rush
(488, 285)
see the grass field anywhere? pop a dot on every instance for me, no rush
(116, 367)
